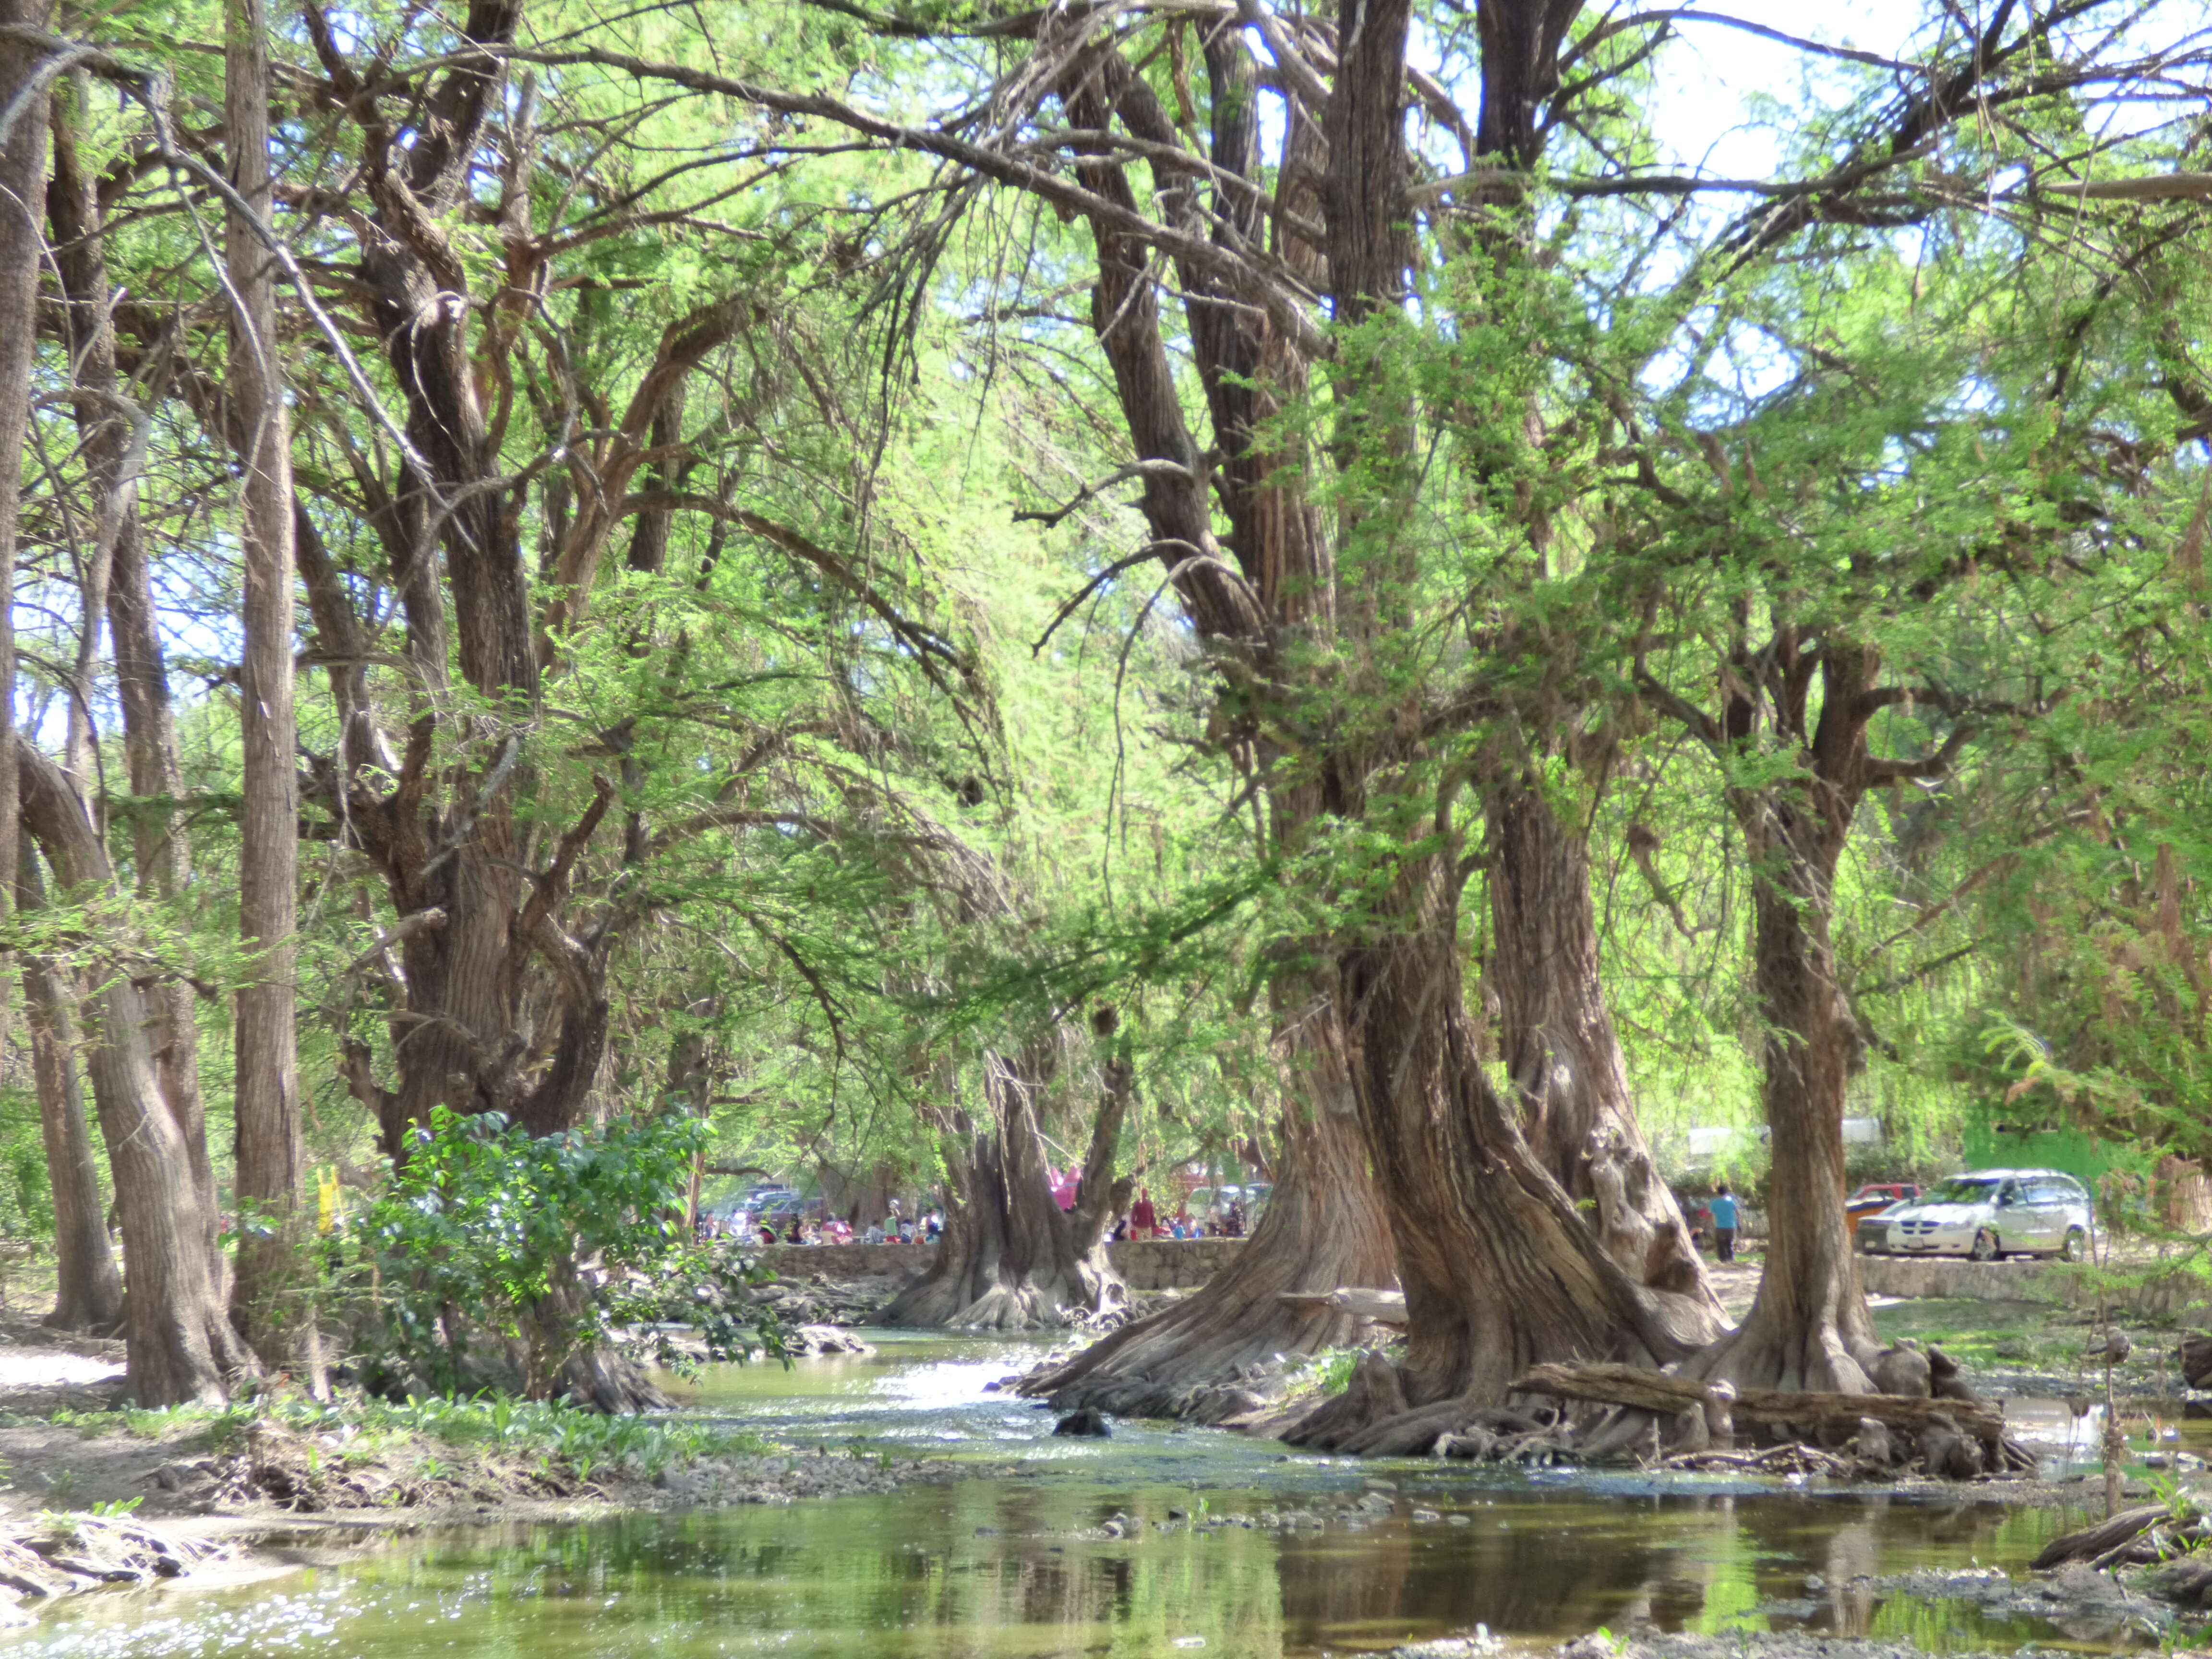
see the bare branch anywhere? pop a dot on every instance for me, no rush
(1052, 517)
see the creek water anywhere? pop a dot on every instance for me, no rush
(1012, 1559)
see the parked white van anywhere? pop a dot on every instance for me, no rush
(1987, 1215)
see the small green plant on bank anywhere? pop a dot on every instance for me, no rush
(558, 1244)
(552, 1432)
(62, 1526)
(1328, 1371)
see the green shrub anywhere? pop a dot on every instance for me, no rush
(565, 1242)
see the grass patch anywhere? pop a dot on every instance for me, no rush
(366, 1429)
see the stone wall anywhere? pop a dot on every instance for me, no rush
(2167, 1296)
(1157, 1264)
(802, 1262)
(1171, 1264)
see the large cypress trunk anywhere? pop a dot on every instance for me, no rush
(1324, 1226)
(179, 1344)
(1560, 1050)
(1499, 1270)
(1496, 1264)
(1011, 1258)
(88, 1293)
(1809, 1327)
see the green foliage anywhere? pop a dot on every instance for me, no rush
(27, 1198)
(562, 1244)
(577, 1437)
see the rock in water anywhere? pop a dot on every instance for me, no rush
(1090, 1422)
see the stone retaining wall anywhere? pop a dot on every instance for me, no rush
(2169, 1296)
(1155, 1264)
(1171, 1264)
(803, 1261)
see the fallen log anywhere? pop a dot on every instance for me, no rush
(1793, 1459)
(2092, 1542)
(1377, 1307)
(1661, 1392)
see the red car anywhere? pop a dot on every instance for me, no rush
(1875, 1197)
(1878, 1195)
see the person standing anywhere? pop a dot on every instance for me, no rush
(1143, 1218)
(1725, 1220)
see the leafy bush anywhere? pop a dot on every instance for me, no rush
(553, 1246)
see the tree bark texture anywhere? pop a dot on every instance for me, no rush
(1324, 1226)
(179, 1342)
(271, 1301)
(1809, 1327)
(22, 185)
(1500, 1271)
(88, 1296)
(1561, 1050)
(1011, 1258)
(114, 429)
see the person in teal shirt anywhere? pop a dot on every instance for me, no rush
(1724, 1220)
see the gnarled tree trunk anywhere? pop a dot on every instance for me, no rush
(88, 1296)
(1324, 1226)
(112, 425)
(1500, 1272)
(1809, 1327)
(1011, 1258)
(1561, 1050)
(179, 1344)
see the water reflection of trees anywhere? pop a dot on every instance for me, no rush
(1541, 1566)
(1001, 1567)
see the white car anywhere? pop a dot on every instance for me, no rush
(1987, 1215)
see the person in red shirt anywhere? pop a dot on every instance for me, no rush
(1143, 1220)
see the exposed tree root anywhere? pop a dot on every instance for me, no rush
(609, 1383)
(1206, 1358)
(1010, 1259)
(1632, 1414)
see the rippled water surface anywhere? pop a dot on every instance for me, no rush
(1012, 1564)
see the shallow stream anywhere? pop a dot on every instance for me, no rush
(1343, 1556)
